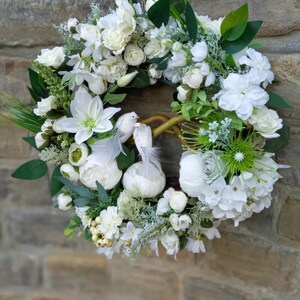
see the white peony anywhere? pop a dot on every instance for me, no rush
(134, 55)
(68, 171)
(141, 186)
(199, 51)
(155, 49)
(110, 222)
(63, 201)
(52, 57)
(45, 105)
(180, 222)
(78, 154)
(171, 243)
(266, 122)
(260, 67)
(240, 95)
(178, 201)
(115, 39)
(107, 175)
(41, 140)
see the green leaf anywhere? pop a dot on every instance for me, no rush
(31, 170)
(234, 24)
(81, 202)
(182, 242)
(163, 64)
(141, 80)
(277, 101)
(30, 140)
(87, 234)
(191, 22)
(230, 61)
(159, 13)
(56, 185)
(207, 223)
(244, 40)
(37, 84)
(124, 161)
(276, 144)
(257, 44)
(54, 114)
(69, 233)
(79, 190)
(113, 99)
(179, 5)
(74, 222)
(102, 195)
(185, 112)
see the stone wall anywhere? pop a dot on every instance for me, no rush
(258, 260)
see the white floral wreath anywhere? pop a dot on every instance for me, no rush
(227, 130)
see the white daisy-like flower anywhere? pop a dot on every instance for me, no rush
(130, 232)
(88, 116)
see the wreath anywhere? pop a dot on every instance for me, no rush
(107, 170)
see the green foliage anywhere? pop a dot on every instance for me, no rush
(159, 12)
(191, 22)
(102, 195)
(277, 101)
(38, 89)
(56, 185)
(207, 223)
(234, 24)
(114, 99)
(182, 242)
(141, 80)
(30, 140)
(73, 223)
(81, 202)
(31, 170)
(124, 161)
(276, 144)
(244, 40)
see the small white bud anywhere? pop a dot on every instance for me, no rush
(41, 140)
(78, 154)
(63, 201)
(68, 171)
(126, 79)
(177, 46)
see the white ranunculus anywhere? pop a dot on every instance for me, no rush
(107, 175)
(126, 79)
(88, 32)
(190, 175)
(52, 57)
(141, 186)
(149, 3)
(68, 171)
(240, 95)
(63, 201)
(193, 78)
(199, 51)
(171, 243)
(41, 140)
(211, 167)
(78, 154)
(178, 201)
(45, 105)
(180, 222)
(155, 49)
(266, 122)
(134, 55)
(96, 84)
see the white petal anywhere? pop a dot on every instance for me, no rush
(68, 124)
(109, 112)
(83, 135)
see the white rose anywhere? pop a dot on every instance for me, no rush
(153, 72)
(52, 57)
(41, 140)
(45, 105)
(266, 122)
(213, 26)
(88, 32)
(155, 48)
(78, 154)
(134, 55)
(107, 175)
(211, 167)
(63, 201)
(149, 3)
(115, 39)
(57, 128)
(171, 243)
(178, 59)
(193, 78)
(178, 201)
(68, 171)
(96, 84)
(141, 186)
(180, 222)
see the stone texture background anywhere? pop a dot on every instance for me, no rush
(258, 260)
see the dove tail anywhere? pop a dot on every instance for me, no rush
(151, 165)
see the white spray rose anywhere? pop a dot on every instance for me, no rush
(134, 55)
(162, 206)
(266, 122)
(115, 39)
(107, 175)
(178, 201)
(45, 105)
(78, 154)
(68, 171)
(171, 243)
(52, 57)
(141, 186)
(47, 127)
(41, 140)
(178, 59)
(193, 78)
(180, 222)
(63, 201)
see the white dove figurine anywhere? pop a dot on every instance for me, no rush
(125, 125)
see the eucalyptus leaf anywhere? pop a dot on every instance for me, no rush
(102, 194)
(277, 101)
(31, 170)
(81, 202)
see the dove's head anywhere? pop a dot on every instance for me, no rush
(133, 116)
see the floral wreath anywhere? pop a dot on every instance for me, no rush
(105, 162)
